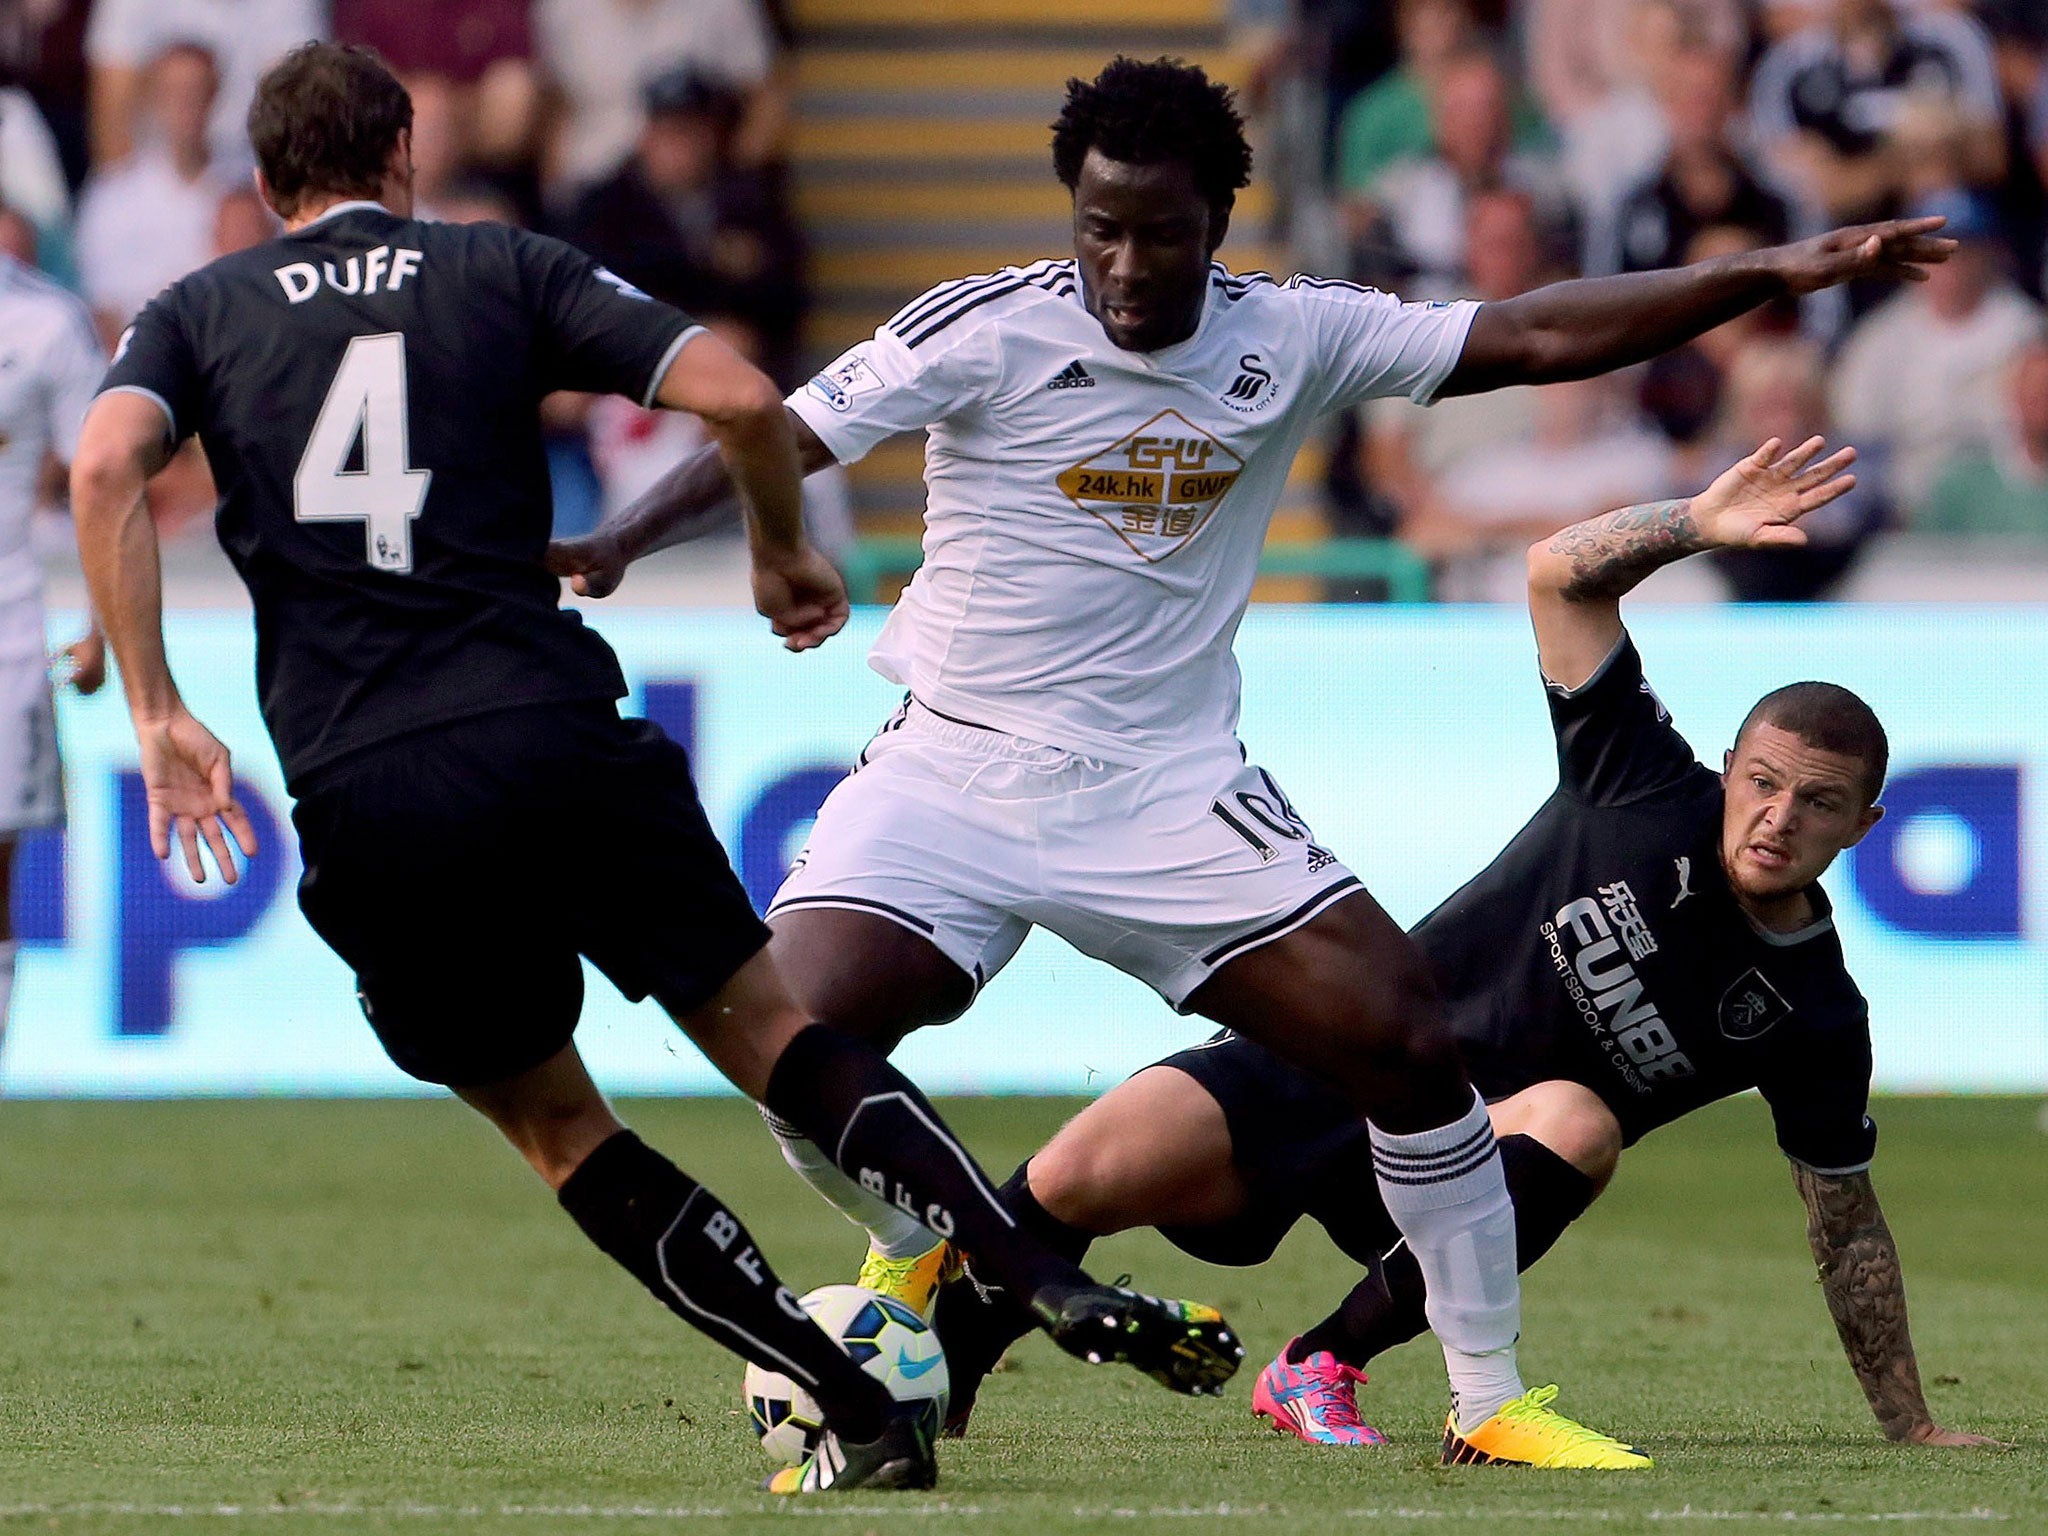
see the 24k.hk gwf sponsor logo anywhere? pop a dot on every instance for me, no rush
(1155, 488)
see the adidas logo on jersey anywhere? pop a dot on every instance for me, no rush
(1073, 376)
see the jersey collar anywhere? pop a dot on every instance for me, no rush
(1823, 920)
(353, 205)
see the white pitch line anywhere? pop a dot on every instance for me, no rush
(833, 1508)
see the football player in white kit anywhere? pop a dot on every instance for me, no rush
(50, 364)
(1109, 435)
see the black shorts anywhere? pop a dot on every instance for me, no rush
(1302, 1149)
(461, 872)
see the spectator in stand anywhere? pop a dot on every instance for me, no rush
(1920, 376)
(17, 237)
(244, 38)
(242, 220)
(440, 143)
(1389, 121)
(1684, 390)
(1844, 112)
(1589, 453)
(632, 448)
(477, 57)
(31, 173)
(2000, 490)
(1408, 448)
(1777, 387)
(1704, 181)
(1604, 70)
(147, 220)
(679, 220)
(42, 49)
(1413, 216)
(601, 54)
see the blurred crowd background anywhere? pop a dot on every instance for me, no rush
(792, 171)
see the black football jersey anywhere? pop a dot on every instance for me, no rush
(367, 390)
(1605, 946)
(1808, 83)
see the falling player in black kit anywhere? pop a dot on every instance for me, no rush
(367, 391)
(1652, 940)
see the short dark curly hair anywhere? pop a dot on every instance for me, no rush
(1149, 113)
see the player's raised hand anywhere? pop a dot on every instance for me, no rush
(593, 562)
(801, 596)
(190, 784)
(1898, 249)
(1757, 502)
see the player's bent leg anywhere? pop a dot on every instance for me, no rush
(883, 1133)
(553, 1115)
(1568, 1119)
(1386, 1307)
(692, 1253)
(1348, 997)
(1154, 1151)
(810, 946)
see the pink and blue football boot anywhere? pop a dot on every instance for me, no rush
(1315, 1400)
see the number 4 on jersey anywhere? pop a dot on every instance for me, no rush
(366, 403)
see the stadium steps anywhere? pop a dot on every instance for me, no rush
(919, 154)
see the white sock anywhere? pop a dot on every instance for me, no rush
(1445, 1190)
(8, 949)
(893, 1233)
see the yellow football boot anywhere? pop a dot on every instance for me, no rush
(1525, 1433)
(914, 1281)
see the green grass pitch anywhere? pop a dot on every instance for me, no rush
(287, 1317)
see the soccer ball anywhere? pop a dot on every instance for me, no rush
(884, 1337)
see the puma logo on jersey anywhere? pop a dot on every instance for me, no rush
(1073, 376)
(1684, 880)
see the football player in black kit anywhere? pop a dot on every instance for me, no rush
(473, 813)
(1655, 938)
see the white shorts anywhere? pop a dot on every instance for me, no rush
(969, 837)
(31, 777)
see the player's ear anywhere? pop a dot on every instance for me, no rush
(1871, 816)
(263, 191)
(1219, 225)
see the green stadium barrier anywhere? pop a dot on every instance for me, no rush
(870, 562)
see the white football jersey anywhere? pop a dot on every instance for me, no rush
(50, 365)
(1093, 516)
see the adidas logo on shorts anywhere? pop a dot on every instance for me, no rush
(1073, 376)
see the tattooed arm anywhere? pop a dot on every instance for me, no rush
(1866, 1295)
(1578, 577)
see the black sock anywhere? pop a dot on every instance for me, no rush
(880, 1131)
(1385, 1308)
(976, 1322)
(676, 1238)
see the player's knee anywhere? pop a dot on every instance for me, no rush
(1076, 1180)
(1399, 1028)
(1568, 1118)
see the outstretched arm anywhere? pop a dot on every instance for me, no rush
(1866, 1295)
(695, 498)
(186, 772)
(1578, 577)
(795, 587)
(1594, 325)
